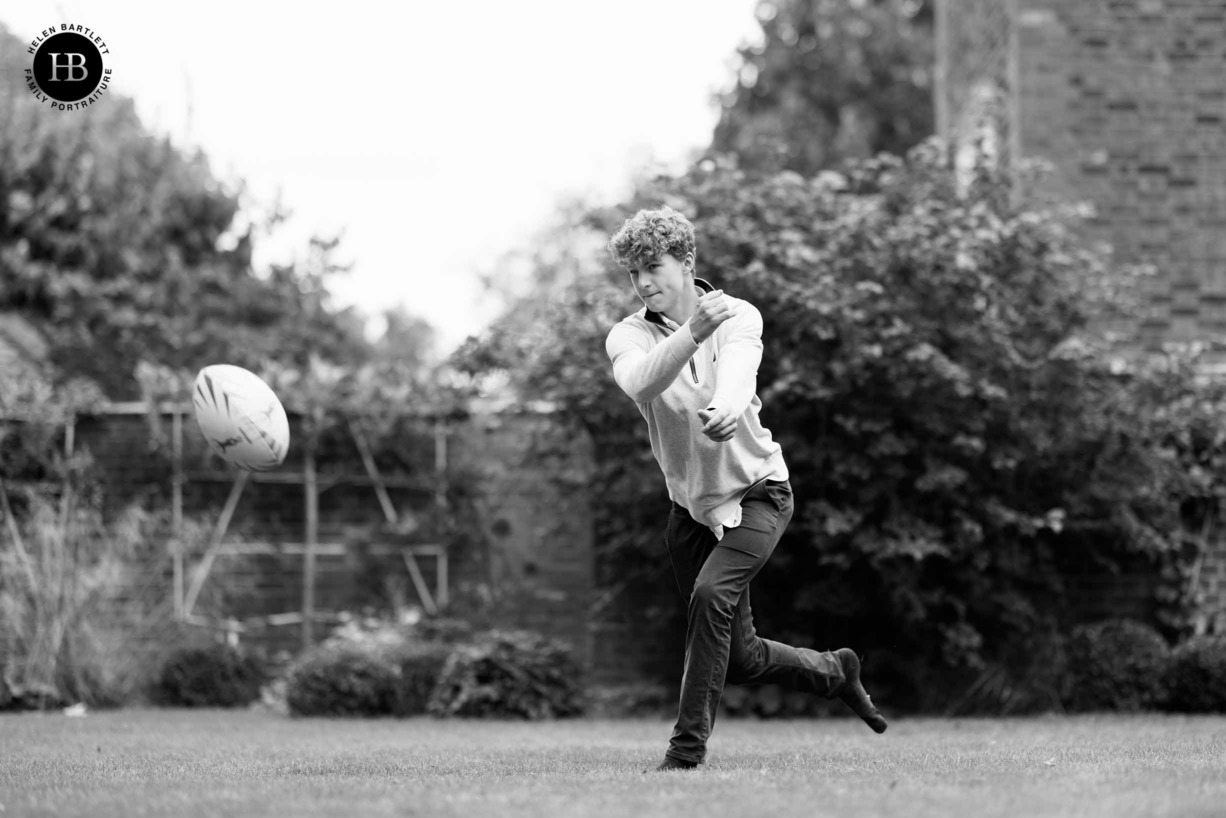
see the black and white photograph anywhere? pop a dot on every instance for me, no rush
(661, 408)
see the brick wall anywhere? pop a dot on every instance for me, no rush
(532, 477)
(1127, 98)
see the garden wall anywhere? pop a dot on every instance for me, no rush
(1127, 99)
(515, 524)
(518, 535)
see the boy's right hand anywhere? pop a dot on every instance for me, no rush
(713, 310)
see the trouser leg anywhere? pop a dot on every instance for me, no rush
(754, 660)
(714, 576)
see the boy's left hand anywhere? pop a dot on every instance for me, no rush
(719, 424)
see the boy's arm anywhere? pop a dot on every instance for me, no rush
(641, 370)
(740, 353)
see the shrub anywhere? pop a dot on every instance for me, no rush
(372, 666)
(342, 680)
(633, 700)
(211, 676)
(772, 701)
(443, 630)
(34, 696)
(515, 674)
(1196, 676)
(962, 433)
(1117, 664)
(418, 667)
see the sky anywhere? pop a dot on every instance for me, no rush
(433, 137)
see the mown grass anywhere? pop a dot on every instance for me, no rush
(198, 763)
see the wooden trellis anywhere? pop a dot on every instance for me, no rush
(432, 599)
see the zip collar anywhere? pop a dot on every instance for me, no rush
(658, 318)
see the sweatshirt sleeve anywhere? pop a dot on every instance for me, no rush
(644, 371)
(740, 353)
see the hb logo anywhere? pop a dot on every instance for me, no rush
(68, 66)
(71, 62)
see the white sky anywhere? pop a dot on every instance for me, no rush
(436, 135)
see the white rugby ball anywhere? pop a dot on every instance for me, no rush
(240, 417)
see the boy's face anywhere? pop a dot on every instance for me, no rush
(661, 281)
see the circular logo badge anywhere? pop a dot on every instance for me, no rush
(68, 67)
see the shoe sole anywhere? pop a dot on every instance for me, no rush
(855, 696)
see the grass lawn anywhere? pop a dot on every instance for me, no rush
(195, 763)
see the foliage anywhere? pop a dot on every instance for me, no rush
(515, 674)
(74, 609)
(83, 593)
(32, 696)
(830, 80)
(1196, 675)
(124, 247)
(345, 680)
(373, 666)
(33, 417)
(1117, 664)
(961, 431)
(632, 700)
(443, 629)
(217, 675)
(775, 702)
(1024, 678)
(415, 647)
(419, 666)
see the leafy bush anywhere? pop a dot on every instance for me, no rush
(776, 702)
(1117, 664)
(632, 700)
(418, 667)
(30, 697)
(1196, 676)
(372, 666)
(443, 630)
(962, 433)
(342, 680)
(211, 676)
(515, 674)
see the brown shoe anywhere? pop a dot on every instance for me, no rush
(853, 694)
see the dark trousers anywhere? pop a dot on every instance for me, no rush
(720, 641)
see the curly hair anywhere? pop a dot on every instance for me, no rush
(651, 233)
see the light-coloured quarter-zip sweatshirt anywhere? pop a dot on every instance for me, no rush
(670, 378)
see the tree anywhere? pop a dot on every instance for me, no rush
(832, 79)
(407, 337)
(128, 249)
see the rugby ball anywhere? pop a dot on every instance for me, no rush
(240, 417)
